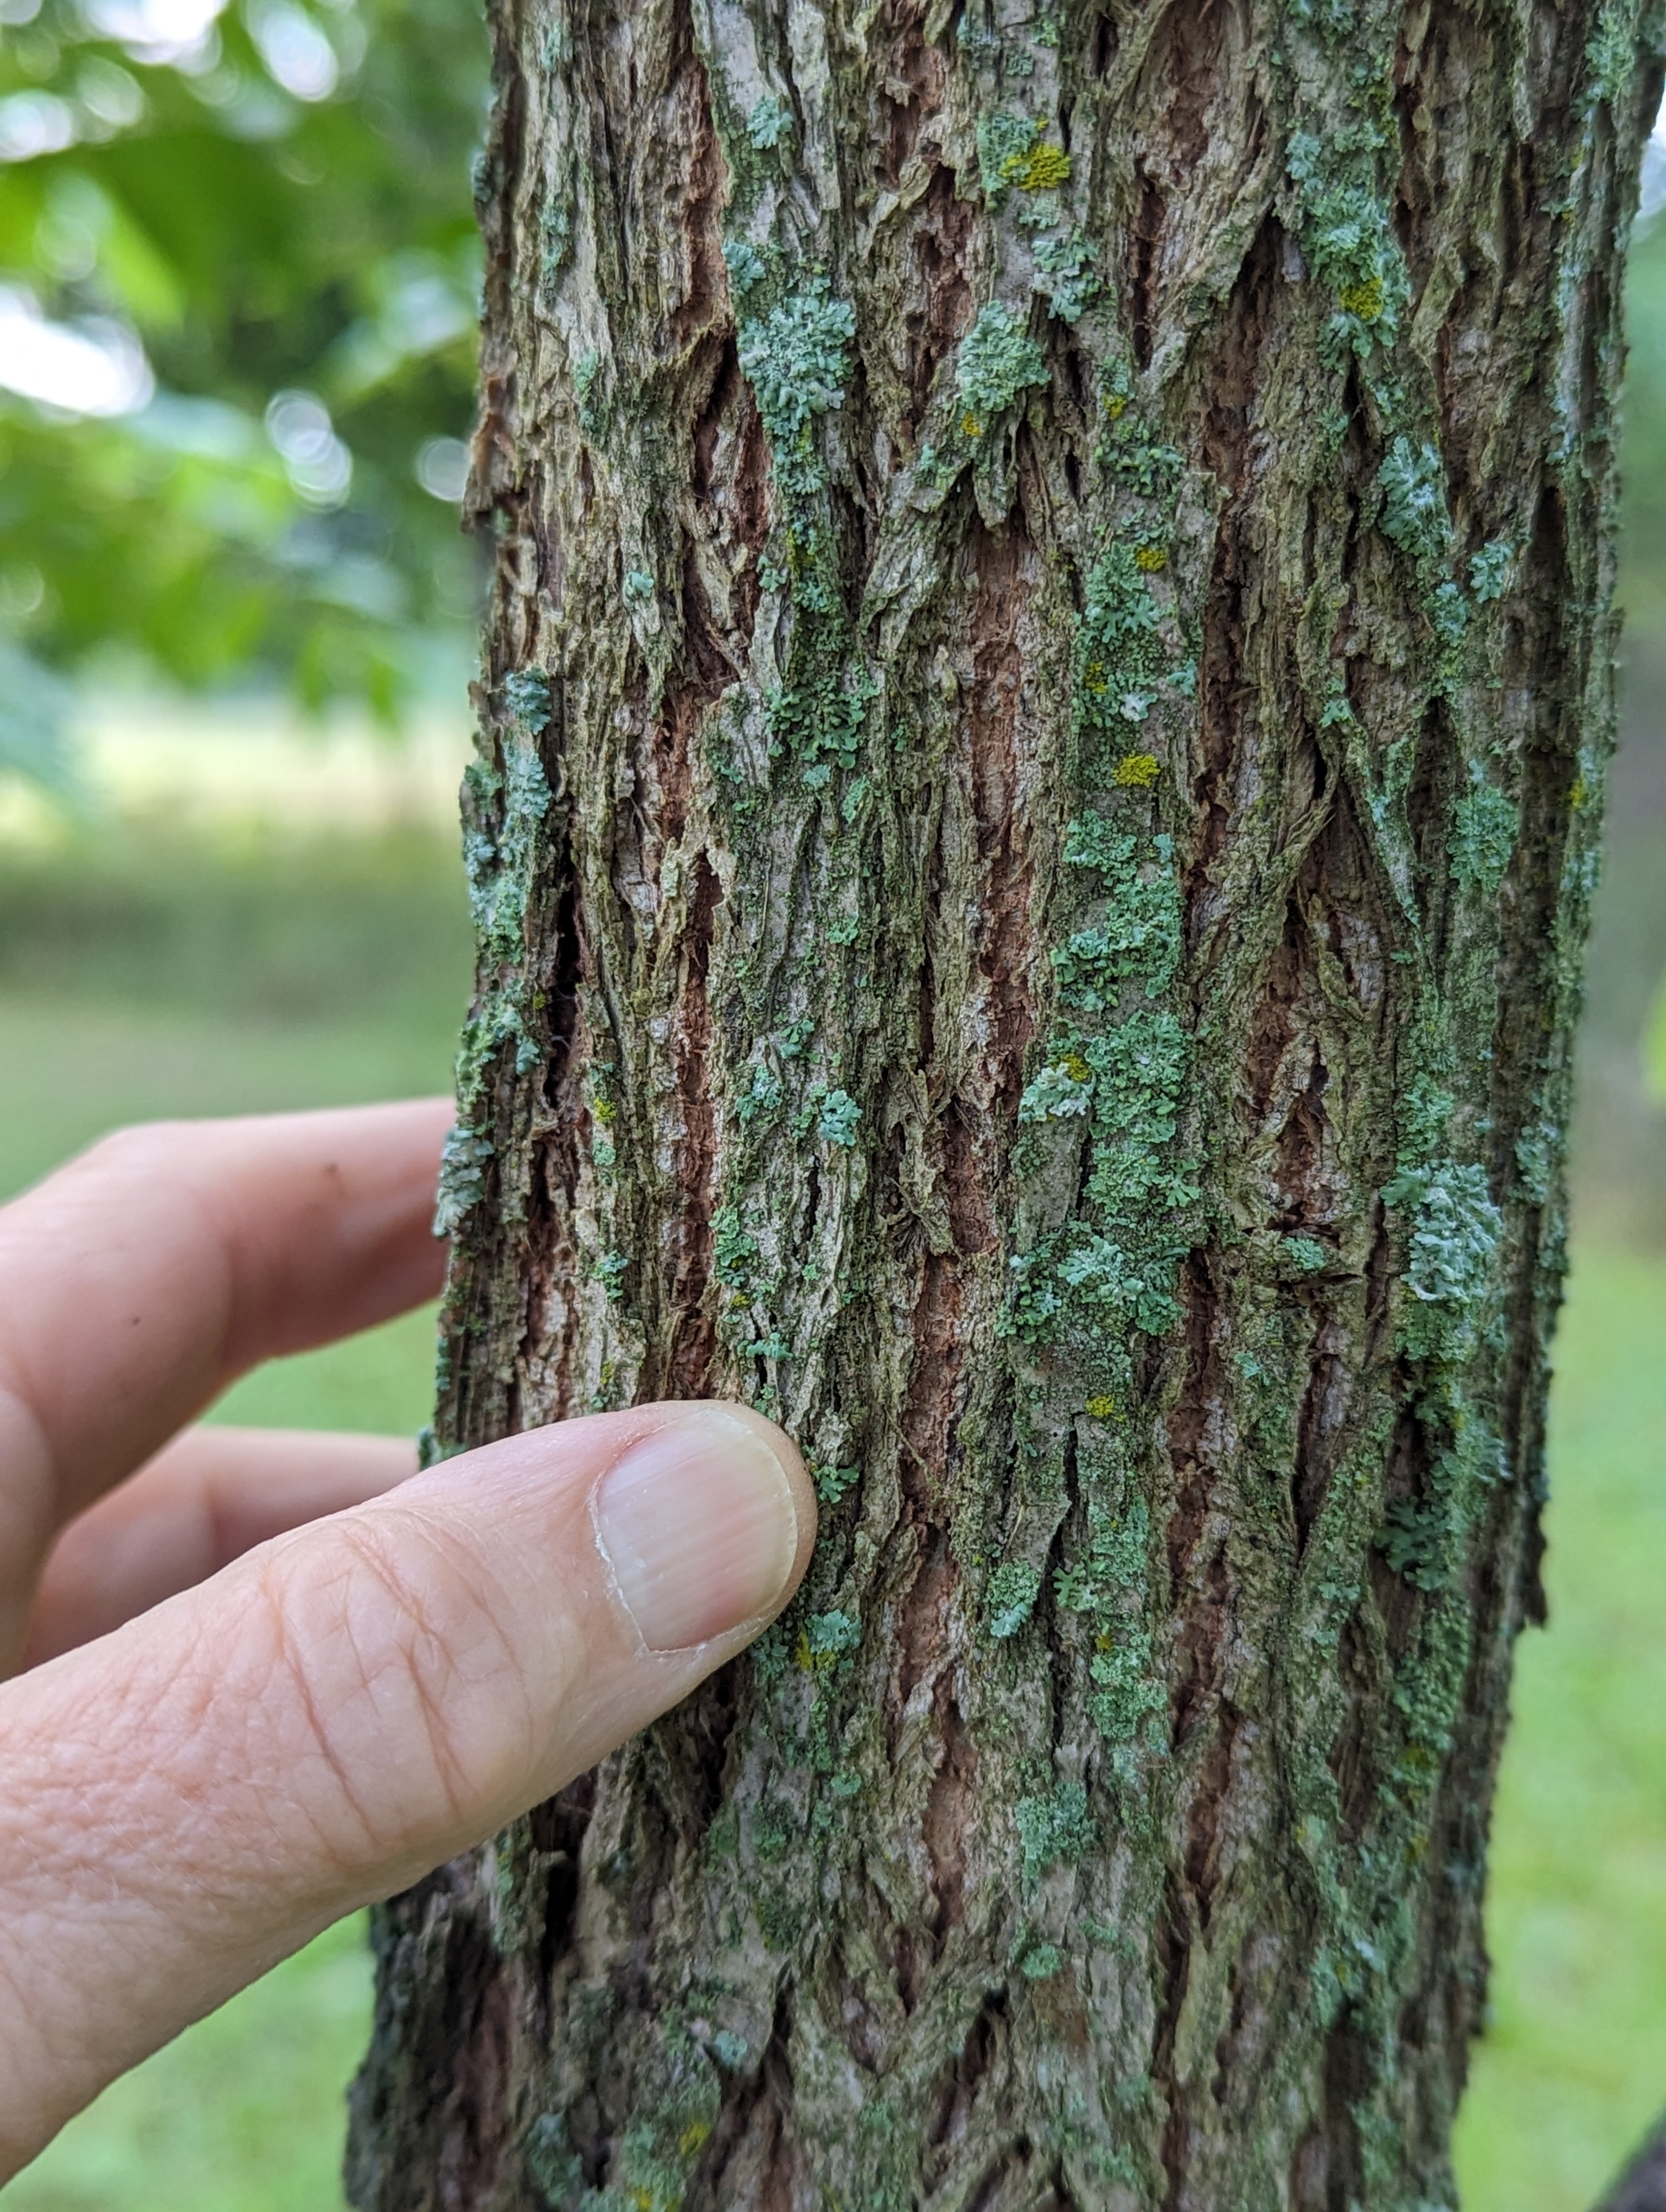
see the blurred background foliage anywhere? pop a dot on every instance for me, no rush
(237, 238)
(238, 304)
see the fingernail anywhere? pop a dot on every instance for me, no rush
(698, 1526)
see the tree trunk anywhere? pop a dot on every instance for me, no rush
(1047, 692)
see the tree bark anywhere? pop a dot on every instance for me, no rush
(1642, 2186)
(1040, 757)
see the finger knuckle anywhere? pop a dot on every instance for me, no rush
(395, 1649)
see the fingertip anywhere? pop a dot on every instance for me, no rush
(705, 1524)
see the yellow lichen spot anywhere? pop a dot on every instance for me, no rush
(1136, 771)
(1100, 1409)
(693, 2138)
(1117, 405)
(1104, 1641)
(970, 426)
(1041, 168)
(643, 2199)
(1578, 796)
(1150, 558)
(1364, 299)
(604, 1110)
(803, 1658)
(1095, 677)
(1076, 1068)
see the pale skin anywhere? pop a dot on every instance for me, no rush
(259, 1679)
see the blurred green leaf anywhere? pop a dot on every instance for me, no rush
(273, 199)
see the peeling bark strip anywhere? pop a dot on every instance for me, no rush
(1041, 754)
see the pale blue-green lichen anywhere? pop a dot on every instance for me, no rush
(503, 812)
(553, 2167)
(796, 360)
(1040, 1962)
(769, 122)
(734, 1248)
(1136, 931)
(1489, 569)
(1013, 1589)
(1054, 1828)
(744, 264)
(1485, 825)
(796, 357)
(997, 361)
(831, 1636)
(586, 384)
(1065, 274)
(462, 1161)
(1412, 483)
(836, 1124)
(1347, 237)
(833, 1484)
(1305, 1255)
(763, 1095)
(1455, 1237)
(1063, 1089)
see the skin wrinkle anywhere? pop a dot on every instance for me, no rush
(341, 1861)
(375, 1552)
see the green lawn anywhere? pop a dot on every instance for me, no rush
(139, 979)
(1572, 2069)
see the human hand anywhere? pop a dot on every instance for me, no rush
(277, 1723)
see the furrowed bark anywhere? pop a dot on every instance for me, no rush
(1040, 765)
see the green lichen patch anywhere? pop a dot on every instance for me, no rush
(1135, 932)
(1013, 1589)
(1455, 1237)
(835, 1484)
(1490, 569)
(837, 1120)
(734, 1249)
(826, 1639)
(1015, 155)
(769, 123)
(763, 1096)
(997, 361)
(1054, 1829)
(1412, 483)
(745, 265)
(1483, 837)
(462, 1162)
(1067, 274)
(1347, 237)
(796, 360)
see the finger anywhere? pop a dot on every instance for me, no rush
(188, 1799)
(206, 1498)
(136, 1282)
